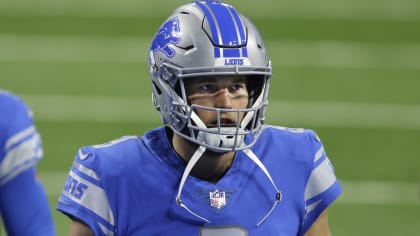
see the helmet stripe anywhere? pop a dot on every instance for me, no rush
(226, 28)
(240, 27)
(231, 52)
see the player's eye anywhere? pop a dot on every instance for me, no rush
(207, 88)
(235, 87)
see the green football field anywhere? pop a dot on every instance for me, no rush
(349, 69)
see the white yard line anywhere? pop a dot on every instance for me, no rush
(335, 54)
(92, 108)
(379, 192)
(354, 192)
(141, 110)
(330, 54)
(345, 114)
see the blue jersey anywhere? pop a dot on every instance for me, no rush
(23, 202)
(129, 187)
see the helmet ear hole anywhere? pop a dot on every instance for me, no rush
(156, 88)
(177, 88)
(255, 84)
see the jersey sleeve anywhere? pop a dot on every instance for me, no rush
(84, 197)
(24, 206)
(23, 201)
(322, 187)
(21, 142)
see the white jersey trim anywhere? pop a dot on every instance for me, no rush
(93, 199)
(19, 136)
(321, 178)
(20, 157)
(89, 172)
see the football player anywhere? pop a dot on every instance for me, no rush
(23, 202)
(214, 168)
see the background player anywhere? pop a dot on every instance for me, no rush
(23, 202)
(215, 168)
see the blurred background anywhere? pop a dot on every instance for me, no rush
(349, 69)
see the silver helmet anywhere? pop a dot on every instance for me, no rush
(201, 39)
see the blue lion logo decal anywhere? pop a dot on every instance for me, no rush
(167, 34)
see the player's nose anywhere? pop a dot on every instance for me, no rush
(223, 99)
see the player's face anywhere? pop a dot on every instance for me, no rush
(228, 92)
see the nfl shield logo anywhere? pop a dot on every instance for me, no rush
(217, 199)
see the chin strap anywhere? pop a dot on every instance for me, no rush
(191, 163)
(279, 195)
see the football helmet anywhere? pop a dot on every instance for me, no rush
(201, 39)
